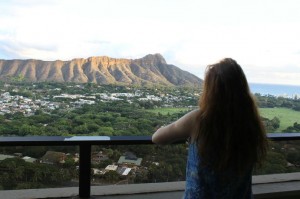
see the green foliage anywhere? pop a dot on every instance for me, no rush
(270, 101)
(171, 161)
(111, 176)
(123, 118)
(293, 157)
(282, 157)
(108, 118)
(18, 174)
(275, 163)
(271, 125)
(292, 129)
(104, 163)
(168, 111)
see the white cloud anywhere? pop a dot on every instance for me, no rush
(261, 36)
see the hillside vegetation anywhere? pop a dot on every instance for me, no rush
(92, 109)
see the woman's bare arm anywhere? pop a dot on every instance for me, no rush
(178, 130)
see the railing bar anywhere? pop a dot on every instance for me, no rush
(105, 140)
(84, 170)
(85, 143)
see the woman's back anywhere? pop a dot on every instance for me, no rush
(203, 182)
(227, 136)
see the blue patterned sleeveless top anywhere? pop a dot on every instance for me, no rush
(204, 183)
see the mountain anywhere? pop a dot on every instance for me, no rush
(151, 69)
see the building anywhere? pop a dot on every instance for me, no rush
(29, 159)
(111, 168)
(53, 157)
(3, 157)
(129, 160)
(98, 157)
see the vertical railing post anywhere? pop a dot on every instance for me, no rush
(84, 170)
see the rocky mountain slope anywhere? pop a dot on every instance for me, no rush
(151, 69)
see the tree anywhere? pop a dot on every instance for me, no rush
(275, 122)
(293, 157)
(26, 129)
(274, 163)
(104, 163)
(111, 176)
(81, 129)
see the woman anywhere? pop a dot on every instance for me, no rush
(227, 137)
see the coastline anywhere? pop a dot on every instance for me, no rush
(278, 90)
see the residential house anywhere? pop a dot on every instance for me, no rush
(124, 171)
(53, 157)
(111, 168)
(130, 160)
(98, 157)
(3, 157)
(29, 159)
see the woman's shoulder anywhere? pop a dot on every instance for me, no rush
(178, 130)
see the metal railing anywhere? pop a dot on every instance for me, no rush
(85, 143)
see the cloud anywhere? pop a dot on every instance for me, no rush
(189, 34)
(290, 78)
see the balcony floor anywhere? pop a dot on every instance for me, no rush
(164, 195)
(276, 186)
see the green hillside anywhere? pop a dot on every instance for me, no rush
(286, 116)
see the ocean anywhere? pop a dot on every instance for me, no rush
(288, 91)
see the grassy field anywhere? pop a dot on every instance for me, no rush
(286, 116)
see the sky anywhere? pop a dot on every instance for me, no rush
(263, 36)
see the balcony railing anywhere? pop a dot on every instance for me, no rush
(85, 143)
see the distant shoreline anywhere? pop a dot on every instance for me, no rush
(289, 91)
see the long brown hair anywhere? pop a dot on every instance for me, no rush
(230, 133)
